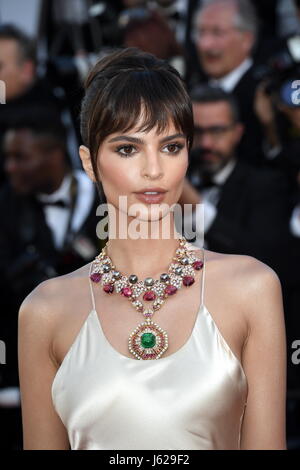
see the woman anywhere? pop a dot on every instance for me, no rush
(211, 375)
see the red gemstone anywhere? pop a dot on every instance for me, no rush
(170, 290)
(188, 280)
(96, 277)
(108, 288)
(126, 291)
(150, 295)
(197, 265)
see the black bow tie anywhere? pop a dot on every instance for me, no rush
(58, 203)
(207, 183)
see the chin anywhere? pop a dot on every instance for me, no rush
(210, 169)
(214, 72)
(152, 213)
(22, 190)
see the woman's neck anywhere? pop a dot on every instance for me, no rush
(144, 257)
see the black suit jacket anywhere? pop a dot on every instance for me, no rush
(250, 147)
(252, 215)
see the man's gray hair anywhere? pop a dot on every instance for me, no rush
(245, 18)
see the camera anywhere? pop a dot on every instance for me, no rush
(281, 69)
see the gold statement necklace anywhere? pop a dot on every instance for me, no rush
(148, 340)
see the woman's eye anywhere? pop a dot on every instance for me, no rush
(125, 150)
(174, 148)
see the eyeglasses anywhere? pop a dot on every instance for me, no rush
(216, 132)
(218, 33)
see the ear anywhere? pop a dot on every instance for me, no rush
(27, 72)
(248, 41)
(87, 162)
(281, 107)
(240, 129)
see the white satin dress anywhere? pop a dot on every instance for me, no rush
(194, 398)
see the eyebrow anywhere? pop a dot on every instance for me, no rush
(136, 140)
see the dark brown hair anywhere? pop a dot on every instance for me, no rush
(152, 34)
(117, 88)
(26, 45)
(204, 94)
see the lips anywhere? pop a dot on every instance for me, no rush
(153, 190)
(151, 198)
(208, 156)
(211, 58)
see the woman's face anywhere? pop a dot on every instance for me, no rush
(135, 161)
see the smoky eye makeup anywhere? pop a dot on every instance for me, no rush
(128, 150)
(174, 147)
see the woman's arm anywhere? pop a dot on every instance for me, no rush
(42, 427)
(264, 361)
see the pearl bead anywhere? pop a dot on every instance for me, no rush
(148, 281)
(164, 277)
(133, 279)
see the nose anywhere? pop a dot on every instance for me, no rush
(205, 41)
(152, 167)
(10, 165)
(206, 140)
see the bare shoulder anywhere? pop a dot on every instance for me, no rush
(247, 271)
(254, 278)
(53, 298)
(239, 264)
(241, 278)
(252, 281)
(244, 267)
(43, 314)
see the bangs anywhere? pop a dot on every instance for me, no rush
(153, 96)
(133, 90)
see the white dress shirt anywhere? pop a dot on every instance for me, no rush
(205, 213)
(57, 218)
(295, 221)
(229, 81)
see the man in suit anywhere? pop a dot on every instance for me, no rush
(246, 210)
(23, 87)
(48, 228)
(225, 32)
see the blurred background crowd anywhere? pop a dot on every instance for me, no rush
(240, 60)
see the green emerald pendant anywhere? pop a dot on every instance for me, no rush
(148, 340)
